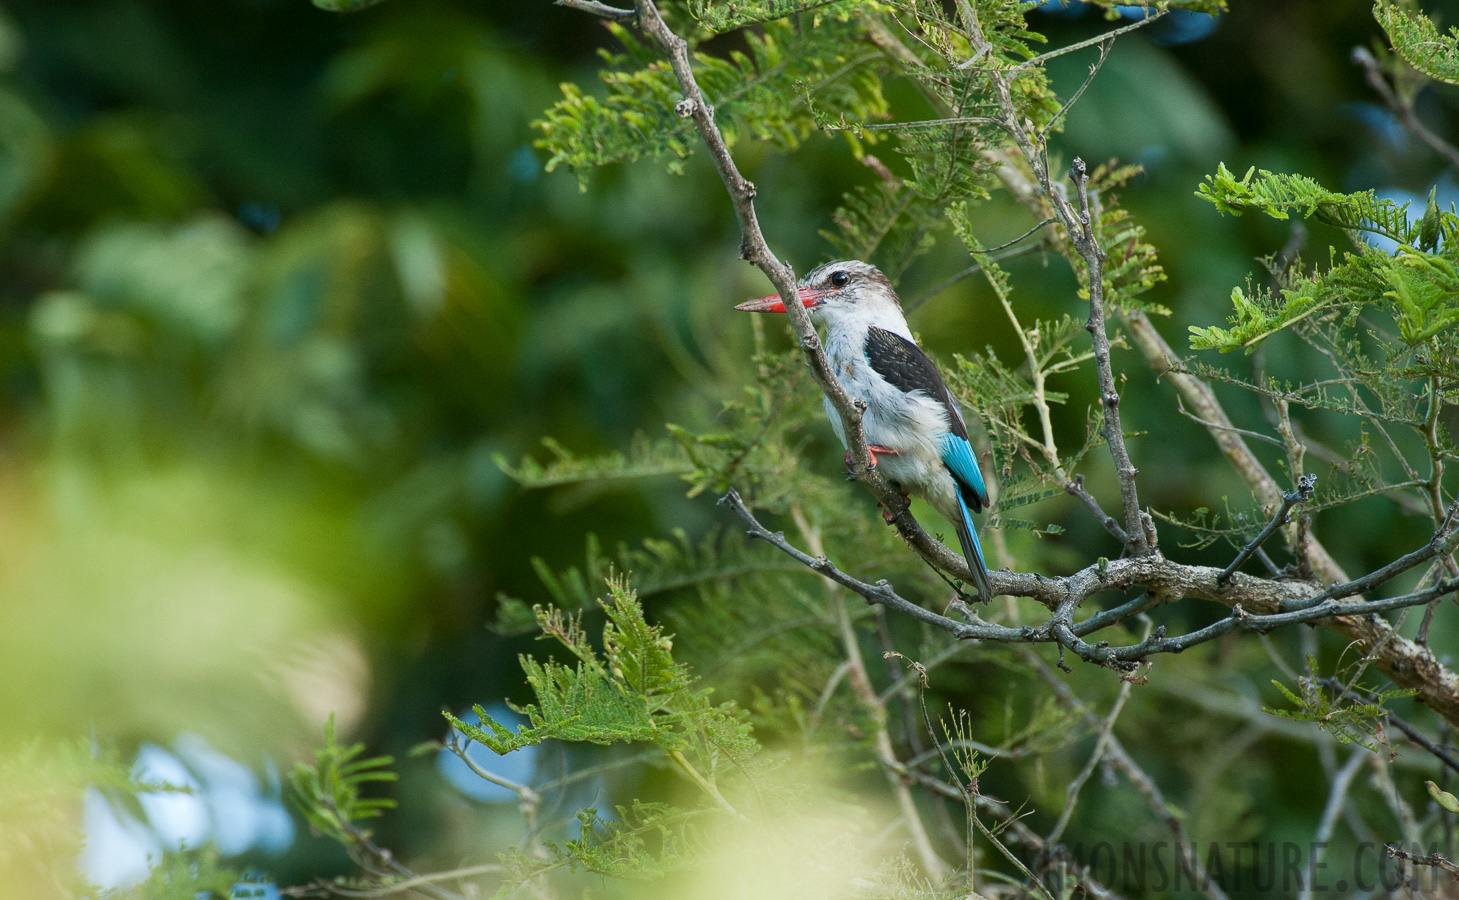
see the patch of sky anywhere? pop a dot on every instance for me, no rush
(220, 801)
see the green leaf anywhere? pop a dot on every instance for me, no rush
(1277, 195)
(1417, 39)
(328, 792)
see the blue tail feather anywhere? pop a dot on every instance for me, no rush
(958, 456)
(967, 535)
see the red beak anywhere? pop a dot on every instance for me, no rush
(774, 304)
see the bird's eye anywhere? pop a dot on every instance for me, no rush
(840, 279)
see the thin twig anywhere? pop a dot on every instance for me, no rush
(1071, 797)
(1098, 39)
(1336, 799)
(1008, 244)
(1305, 486)
(598, 9)
(1109, 398)
(1074, 98)
(1433, 860)
(1410, 121)
(921, 123)
(1254, 435)
(968, 272)
(1075, 486)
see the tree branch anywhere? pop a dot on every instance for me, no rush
(1080, 229)
(598, 9)
(1433, 860)
(1243, 593)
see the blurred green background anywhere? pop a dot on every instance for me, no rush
(277, 286)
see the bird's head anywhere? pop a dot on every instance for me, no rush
(837, 288)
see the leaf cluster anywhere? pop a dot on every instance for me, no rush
(1337, 710)
(330, 791)
(762, 94)
(1418, 40)
(633, 690)
(1417, 285)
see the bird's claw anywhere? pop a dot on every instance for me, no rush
(871, 450)
(851, 466)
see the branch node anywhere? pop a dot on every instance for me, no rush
(685, 108)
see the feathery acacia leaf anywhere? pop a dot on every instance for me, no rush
(1418, 40)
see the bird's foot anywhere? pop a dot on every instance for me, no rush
(888, 515)
(873, 449)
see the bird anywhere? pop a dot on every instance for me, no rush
(914, 428)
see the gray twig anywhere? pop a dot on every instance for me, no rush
(1106, 729)
(968, 272)
(1065, 593)
(1082, 232)
(1008, 244)
(1302, 494)
(1098, 39)
(1410, 121)
(1075, 486)
(598, 9)
(1433, 860)
(1336, 799)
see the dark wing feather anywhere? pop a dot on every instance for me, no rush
(905, 367)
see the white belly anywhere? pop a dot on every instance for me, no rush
(909, 424)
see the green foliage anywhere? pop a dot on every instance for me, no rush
(719, 16)
(633, 690)
(888, 224)
(1336, 710)
(758, 95)
(644, 459)
(1278, 196)
(329, 791)
(1418, 40)
(1130, 266)
(642, 843)
(195, 875)
(1416, 287)
(42, 785)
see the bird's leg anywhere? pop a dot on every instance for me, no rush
(874, 449)
(887, 514)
